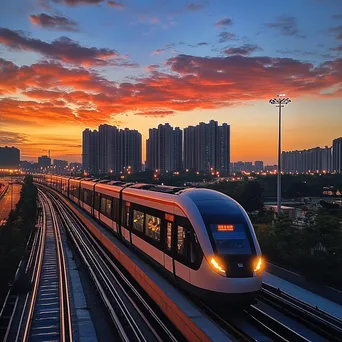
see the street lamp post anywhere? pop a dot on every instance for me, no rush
(11, 172)
(280, 101)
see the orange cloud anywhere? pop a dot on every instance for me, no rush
(77, 95)
(156, 113)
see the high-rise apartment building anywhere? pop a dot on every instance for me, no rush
(90, 151)
(246, 166)
(44, 161)
(111, 150)
(311, 160)
(326, 157)
(9, 158)
(178, 148)
(164, 148)
(207, 147)
(258, 165)
(337, 155)
(60, 166)
(130, 144)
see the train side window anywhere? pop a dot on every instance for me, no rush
(138, 220)
(114, 209)
(84, 195)
(193, 247)
(127, 216)
(168, 236)
(152, 227)
(103, 205)
(108, 210)
(181, 241)
(97, 201)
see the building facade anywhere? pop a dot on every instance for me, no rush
(311, 160)
(258, 165)
(9, 158)
(60, 166)
(207, 147)
(337, 155)
(164, 148)
(129, 151)
(111, 150)
(44, 162)
(90, 151)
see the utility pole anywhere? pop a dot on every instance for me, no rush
(280, 101)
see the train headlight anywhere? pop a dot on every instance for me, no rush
(217, 266)
(258, 266)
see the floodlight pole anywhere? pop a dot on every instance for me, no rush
(279, 163)
(280, 102)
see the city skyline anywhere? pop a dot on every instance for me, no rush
(180, 62)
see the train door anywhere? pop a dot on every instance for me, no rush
(169, 243)
(182, 253)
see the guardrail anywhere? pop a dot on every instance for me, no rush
(3, 191)
(297, 279)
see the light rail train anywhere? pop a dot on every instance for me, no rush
(202, 239)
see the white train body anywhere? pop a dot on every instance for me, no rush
(202, 239)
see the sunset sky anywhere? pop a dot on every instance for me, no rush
(66, 65)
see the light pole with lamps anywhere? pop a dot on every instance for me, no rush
(280, 101)
(11, 172)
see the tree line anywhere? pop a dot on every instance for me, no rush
(313, 246)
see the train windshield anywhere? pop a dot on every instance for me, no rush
(231, 241)
(228, 227)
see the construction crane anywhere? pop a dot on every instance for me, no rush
(49, 152)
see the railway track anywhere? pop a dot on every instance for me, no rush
(251, 324)
(47, 314)
(132, 315)
(319, 321)
(27, 267)
(135, 319)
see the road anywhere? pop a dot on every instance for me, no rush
(5, 202)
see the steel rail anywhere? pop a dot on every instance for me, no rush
(65, 308)
(272, 327)
(35, 286)
(319, 321)
(110, 267)
(9, 307)
(65, 322)
(225, 324)
(87, 260)
(36, 252)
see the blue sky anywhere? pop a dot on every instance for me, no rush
(211, 60)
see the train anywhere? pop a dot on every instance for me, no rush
(201, 239)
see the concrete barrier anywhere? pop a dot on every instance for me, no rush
(297, 279)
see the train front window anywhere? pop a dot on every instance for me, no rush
(227, 226)
(231, 241)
